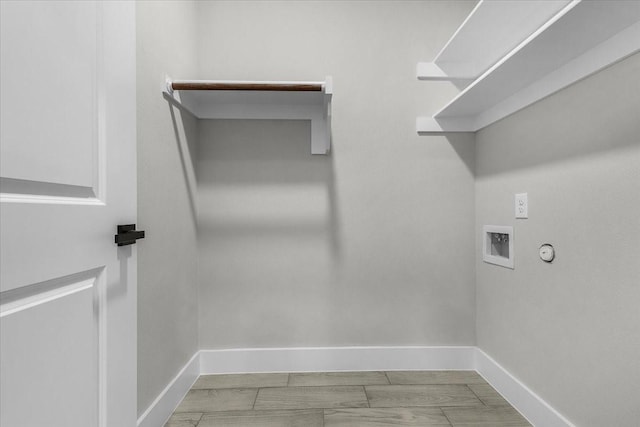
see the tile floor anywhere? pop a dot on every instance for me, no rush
(360, 399)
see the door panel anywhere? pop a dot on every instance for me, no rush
(67, 178)
(49, 91)
(61, 323)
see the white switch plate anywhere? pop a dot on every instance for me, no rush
(522, 205)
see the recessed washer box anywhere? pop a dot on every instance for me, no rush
(497, 245)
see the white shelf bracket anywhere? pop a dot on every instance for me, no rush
(432, 71)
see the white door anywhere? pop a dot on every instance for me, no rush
(68, 177)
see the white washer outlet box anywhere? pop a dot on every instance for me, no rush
(497, 245)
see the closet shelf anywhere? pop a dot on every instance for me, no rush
(492, 29)
(579, 39)
(278, 100)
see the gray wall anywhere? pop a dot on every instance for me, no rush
(373, 245)
(167, 258)
(570, 330)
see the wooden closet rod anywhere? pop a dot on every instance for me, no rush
(280, 87)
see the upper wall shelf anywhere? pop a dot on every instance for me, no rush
(283, 100)
(580, 38)
(492, 29)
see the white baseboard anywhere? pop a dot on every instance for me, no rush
(161, 409)
(326, 359)
(529, 404)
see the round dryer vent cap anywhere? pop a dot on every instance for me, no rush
(547, 253)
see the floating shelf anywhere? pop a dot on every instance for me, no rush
(280, 100)
(582, 38)
(492, 29)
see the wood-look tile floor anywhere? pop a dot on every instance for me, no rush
(340, 399)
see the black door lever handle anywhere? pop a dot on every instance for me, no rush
(127, 235)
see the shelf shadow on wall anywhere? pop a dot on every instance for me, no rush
(465, 147)
(256, 178)
(258, 184)
(186, 139)
(567, 126)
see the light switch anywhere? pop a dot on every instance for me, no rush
(522, 205)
